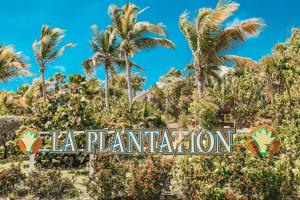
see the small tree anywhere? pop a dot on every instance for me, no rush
(45, 49)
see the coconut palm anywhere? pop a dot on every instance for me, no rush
(209, 39)
(106, 52)
(135, 35)
(12, 64)
(45, 49)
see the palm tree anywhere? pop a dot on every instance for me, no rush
(57, 80)
(11, 63)
(135, 35)
(45, 49)
(106, 52)
(209, 41)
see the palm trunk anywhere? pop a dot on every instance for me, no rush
(128, 74)
(201, 86)
(200, 79)
(43, 82)
(106, 86)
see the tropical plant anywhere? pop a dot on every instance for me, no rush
(45, 49)
(237, 176)
(204, 113)
(106, 52)
(280, 72)
(134, 35)
(209, 40)
(108, 181)
(75, 107)
(12, 63)
(151, 178)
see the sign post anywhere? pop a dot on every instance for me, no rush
(91, 164)
(31, 163)
(29, 143)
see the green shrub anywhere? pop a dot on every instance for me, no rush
(238, 176)
(151, 179)
(108, 181)
(50, 185)
(9, 179)
(8, 127)
(204, 113)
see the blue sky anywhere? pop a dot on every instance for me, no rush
(21, 21)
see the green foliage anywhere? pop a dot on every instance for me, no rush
(108, 181)
(173, 93)
(123, 114)
(9, 180)
(210, 40)
(237, 176)
(50, 185)
(70, 108)
(74, 106)
(204, 113)
(246, 92)
(249, 93)
(148, 178)
(8, 127)
(151, 178)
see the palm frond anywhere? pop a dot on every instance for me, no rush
(143, 27)
(189, 31)
(88, 67)
(239, 33)
(128, 16)
(12, 64)
(59, 52)
(45, 49)
(149, 43)
(222, 12)
(240, 61)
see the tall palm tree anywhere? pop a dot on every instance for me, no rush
(45, 49)
(106, 52)
(135, 35)
(209, 40)
(11, 63)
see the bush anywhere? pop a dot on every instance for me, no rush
(50, 185)
(146, 179)
(9, 179)
(8, 127)
(204, 113)
(238, 176)
(152, 179)
(108, 181)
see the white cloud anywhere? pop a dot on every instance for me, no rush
(60, 68)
